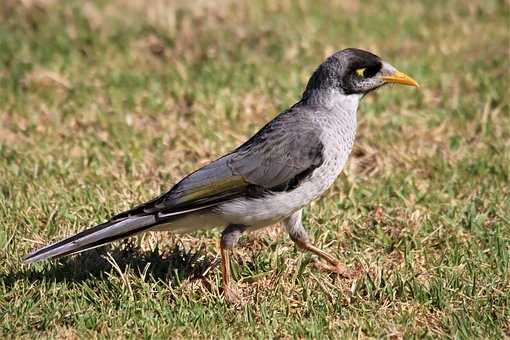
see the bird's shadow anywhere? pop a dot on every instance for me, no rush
(174, 265)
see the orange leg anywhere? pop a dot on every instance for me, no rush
(225, 267)
(298, 234)
(229, 238)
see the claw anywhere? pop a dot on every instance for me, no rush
(338, 269)
(231, 296)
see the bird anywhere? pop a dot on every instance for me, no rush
(287, 164)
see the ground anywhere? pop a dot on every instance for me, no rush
(105, 104)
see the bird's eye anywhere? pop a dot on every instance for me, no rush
(367, 72)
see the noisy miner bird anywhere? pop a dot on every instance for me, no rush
(286, 165)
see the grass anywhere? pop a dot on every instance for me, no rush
(106, 104)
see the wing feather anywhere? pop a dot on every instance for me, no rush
(282, 151)
(209, 185)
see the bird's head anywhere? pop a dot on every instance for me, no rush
(355, 71)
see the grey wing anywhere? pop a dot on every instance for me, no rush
(284, 151)
(280, 154)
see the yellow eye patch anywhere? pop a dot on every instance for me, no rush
(361, 71)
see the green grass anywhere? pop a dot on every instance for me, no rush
(106, 104)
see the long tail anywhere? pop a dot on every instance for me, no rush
(94, 237)
(102, 234)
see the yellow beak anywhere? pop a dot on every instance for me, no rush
(400, 78)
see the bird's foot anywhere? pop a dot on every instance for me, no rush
(338, 269)
(231, 295)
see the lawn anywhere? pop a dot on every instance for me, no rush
(105, 104)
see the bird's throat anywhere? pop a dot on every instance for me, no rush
(334, 100)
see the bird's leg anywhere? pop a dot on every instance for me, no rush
(298, 234)
(229, 239)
